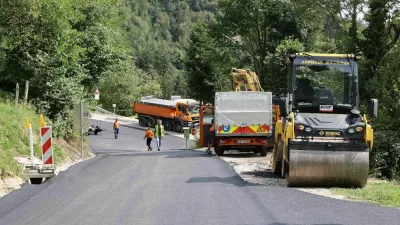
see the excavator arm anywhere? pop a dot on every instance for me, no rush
(245, 79)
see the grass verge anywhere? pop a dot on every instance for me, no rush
(382, 193)
(14, 139)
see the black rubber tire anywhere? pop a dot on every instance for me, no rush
(95, 132)
(151, 122)
(178, 127)
(36, 180)
(142, 121)
(278, 163)
(219, 151)
(263, 151)
(277, 169)
(167, 125)
(284, 169)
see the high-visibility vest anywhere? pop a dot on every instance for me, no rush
(149, 134)
(212, 129)
(157, 133)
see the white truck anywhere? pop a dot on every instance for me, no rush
(243, 121)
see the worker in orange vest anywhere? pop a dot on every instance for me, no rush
(212, 141)
(116, 126)
(149, 135)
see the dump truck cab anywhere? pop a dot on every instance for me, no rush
(323, 140)
(191, 107)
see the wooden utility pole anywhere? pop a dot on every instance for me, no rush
(26, 92)
(16, 96)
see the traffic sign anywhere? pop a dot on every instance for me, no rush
(77, 117)
(260, 129)
(47, 145)
(96, 94)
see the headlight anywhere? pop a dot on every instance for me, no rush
(308, 129)
(359, 129)
(351, 130)
(300, 127)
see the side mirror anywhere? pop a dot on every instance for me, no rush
(372, 108)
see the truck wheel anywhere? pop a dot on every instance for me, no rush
(36, 180)
(284, 169)
(151, 122)
(178, 127)
(167, 125)
(263, 151)
(277, 157)
(219, 151)
(142, 121)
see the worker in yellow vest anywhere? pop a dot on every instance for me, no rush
(159, 133)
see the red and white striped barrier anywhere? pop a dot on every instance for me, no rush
(47, 145)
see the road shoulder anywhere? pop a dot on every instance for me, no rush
(255, 169)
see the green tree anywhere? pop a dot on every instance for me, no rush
(276, 65)
(256, 27)
(381, 35)
(207, 66)
(125, 84)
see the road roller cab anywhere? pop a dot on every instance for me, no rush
(323, 140)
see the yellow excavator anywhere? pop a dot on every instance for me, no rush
(245, 80)
(323, 140)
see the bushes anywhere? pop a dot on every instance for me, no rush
(385, 156)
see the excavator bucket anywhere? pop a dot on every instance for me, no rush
(328, 164)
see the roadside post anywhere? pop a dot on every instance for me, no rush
(186, 134)
(114, 105)
(81, 121)
(16, 96)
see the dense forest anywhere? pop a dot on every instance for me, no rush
(131, 48)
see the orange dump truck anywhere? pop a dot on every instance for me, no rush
(174, 115)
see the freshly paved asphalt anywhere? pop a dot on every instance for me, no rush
(125, 184)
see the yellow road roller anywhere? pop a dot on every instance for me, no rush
(322, 139)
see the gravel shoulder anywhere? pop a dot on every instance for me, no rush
(256, 169)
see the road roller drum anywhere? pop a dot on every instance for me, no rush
(339, 165)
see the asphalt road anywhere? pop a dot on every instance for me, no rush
(125, 184)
